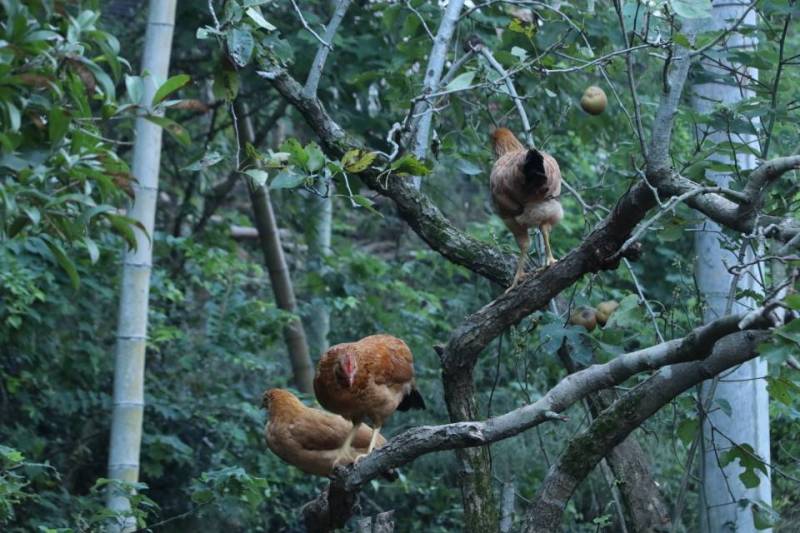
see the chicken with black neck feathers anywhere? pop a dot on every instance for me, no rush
(526, 185)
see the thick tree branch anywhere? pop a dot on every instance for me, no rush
(414, 207)
(766, 174)
(427, 439)
(626, 414)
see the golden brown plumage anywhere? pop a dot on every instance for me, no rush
(525, 185)
(308, 438)
(367, 379)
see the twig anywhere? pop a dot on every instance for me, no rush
(725, 33)
(512, 91)
(421, 20)
(640, 291)
(631, 83)
(667, 207)
(307, 27)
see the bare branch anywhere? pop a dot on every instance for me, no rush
(422, 114)
(308, 28)
(315, 73)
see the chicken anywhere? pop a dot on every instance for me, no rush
(525, 185)
(368, 379)
(311, 438)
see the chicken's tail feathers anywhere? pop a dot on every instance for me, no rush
(533, 168)
(412, 400)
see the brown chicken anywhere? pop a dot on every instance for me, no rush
(310, 439)
(525, 185)
(368, 379)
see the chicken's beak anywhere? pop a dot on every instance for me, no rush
(265, 401)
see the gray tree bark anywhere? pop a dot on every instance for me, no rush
(741, 389)
(275, 261)
(129, 362)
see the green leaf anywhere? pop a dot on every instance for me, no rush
(57, 124)
(468, 167)
(122, 225)
(724, 406)
(208, 160)
(629, 314)
(408, 165)
(793, 301)
(255, 14)
(764, 517)
(226, 84)
(748, 460)
(63, 260)
(297, 154)
(205, 33)
(692, 9)
(91, 247)
(365, 202)
(316, 159)
(462, 81)
(169, 87)
(135, 88)
(173, 128)
(355, 161)
(682, 40)
(259, 176)
(240, 46)
(202, 496)
(782, 389)
(687, 430)
(33, 214)
(14, 116)
(287, 179)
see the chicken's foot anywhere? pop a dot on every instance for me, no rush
(524, 242)
(545, 229)
(372, 441)
(343, 453)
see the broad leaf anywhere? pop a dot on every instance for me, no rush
(169, 87)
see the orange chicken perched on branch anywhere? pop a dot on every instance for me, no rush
(525, 185)
(310, 439)
(367, 379)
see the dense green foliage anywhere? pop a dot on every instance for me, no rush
(68, 93)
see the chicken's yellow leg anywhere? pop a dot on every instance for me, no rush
(524, 242)
(372, 442)
(545, 228)
(344, 452)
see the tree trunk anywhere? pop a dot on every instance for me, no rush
(275, 261)
(128, 396)
(475, 476)
(742, 390)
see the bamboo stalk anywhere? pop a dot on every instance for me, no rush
(131, 339)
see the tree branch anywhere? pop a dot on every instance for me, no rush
(422, 112)
(414, 207)
(315, 73)
(626, 414)
(427, 439)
